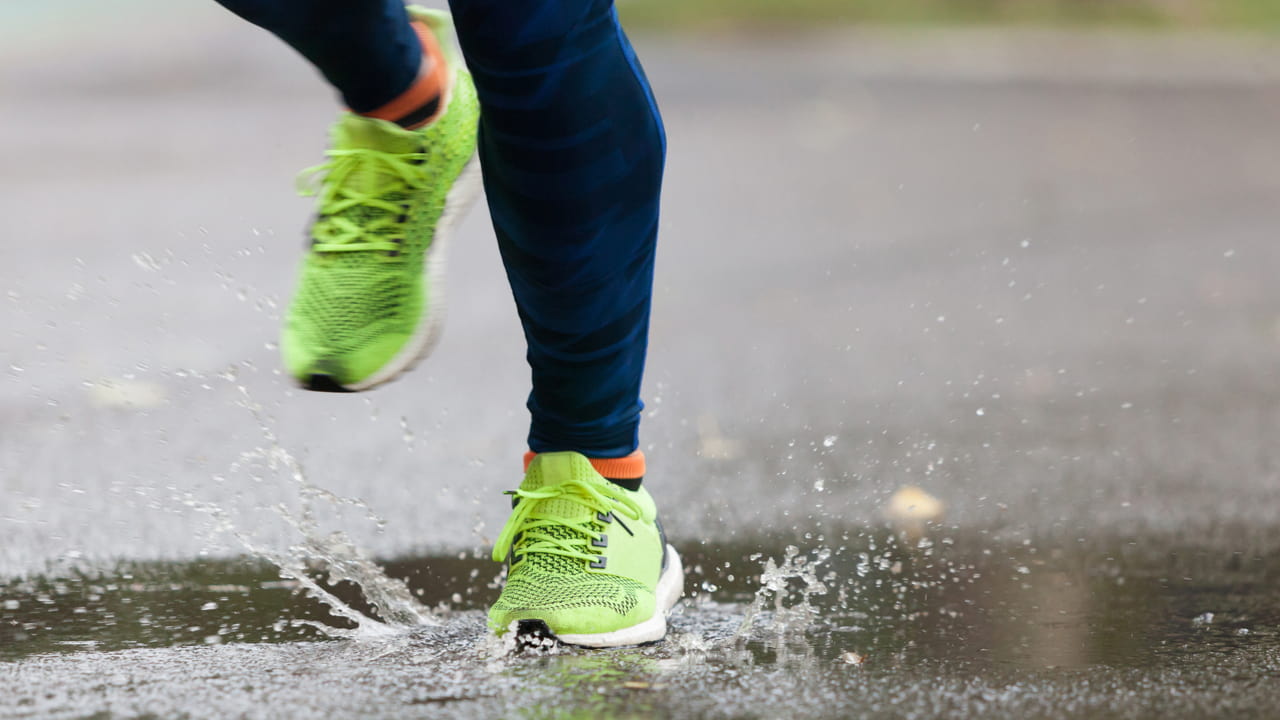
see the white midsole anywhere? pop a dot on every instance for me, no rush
(463, 194)
(670, 588)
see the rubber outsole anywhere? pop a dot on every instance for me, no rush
(324, 383)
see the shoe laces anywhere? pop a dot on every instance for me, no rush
(532, 528)
(355, 212)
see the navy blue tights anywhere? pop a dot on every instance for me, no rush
(572, 150)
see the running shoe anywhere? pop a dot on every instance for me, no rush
(369, 299)
(588, 563)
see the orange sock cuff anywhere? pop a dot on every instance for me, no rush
(630, 467)
(423, 101)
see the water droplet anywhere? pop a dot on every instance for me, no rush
(407, 434)
(146, 262)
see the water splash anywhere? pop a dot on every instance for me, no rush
(333, 554)
(776, 590)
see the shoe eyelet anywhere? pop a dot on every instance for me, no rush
(605, 517)
(600, 542)
(599, 564)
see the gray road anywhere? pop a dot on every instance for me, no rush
(1032, 274)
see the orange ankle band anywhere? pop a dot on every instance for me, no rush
(630, 467)
(433, 80)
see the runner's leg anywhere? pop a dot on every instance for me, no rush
(572, 148)
(367, 49)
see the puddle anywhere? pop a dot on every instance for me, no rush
(962, 619)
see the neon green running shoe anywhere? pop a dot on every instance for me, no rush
(369, 299)
(588, 562)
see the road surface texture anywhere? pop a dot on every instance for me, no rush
(1030, 273)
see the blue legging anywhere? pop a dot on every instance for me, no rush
(572, 148)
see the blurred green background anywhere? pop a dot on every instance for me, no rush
(1152, 14)
(758, 14)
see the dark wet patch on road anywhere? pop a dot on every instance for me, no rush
(870, 598)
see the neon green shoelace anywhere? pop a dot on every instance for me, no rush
(532, 524)
(334, 231)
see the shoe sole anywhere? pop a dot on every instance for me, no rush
(461, 197)
(670, 588)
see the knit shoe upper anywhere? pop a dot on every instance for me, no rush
(586, 557)
(368, 300)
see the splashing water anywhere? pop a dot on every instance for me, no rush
(334, 553)
(776, 589)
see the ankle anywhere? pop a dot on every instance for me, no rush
(425, 99)
(626, 472)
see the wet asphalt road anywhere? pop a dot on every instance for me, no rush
(1032, 274)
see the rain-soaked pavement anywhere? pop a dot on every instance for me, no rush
(878, 628)
(1031, 275)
